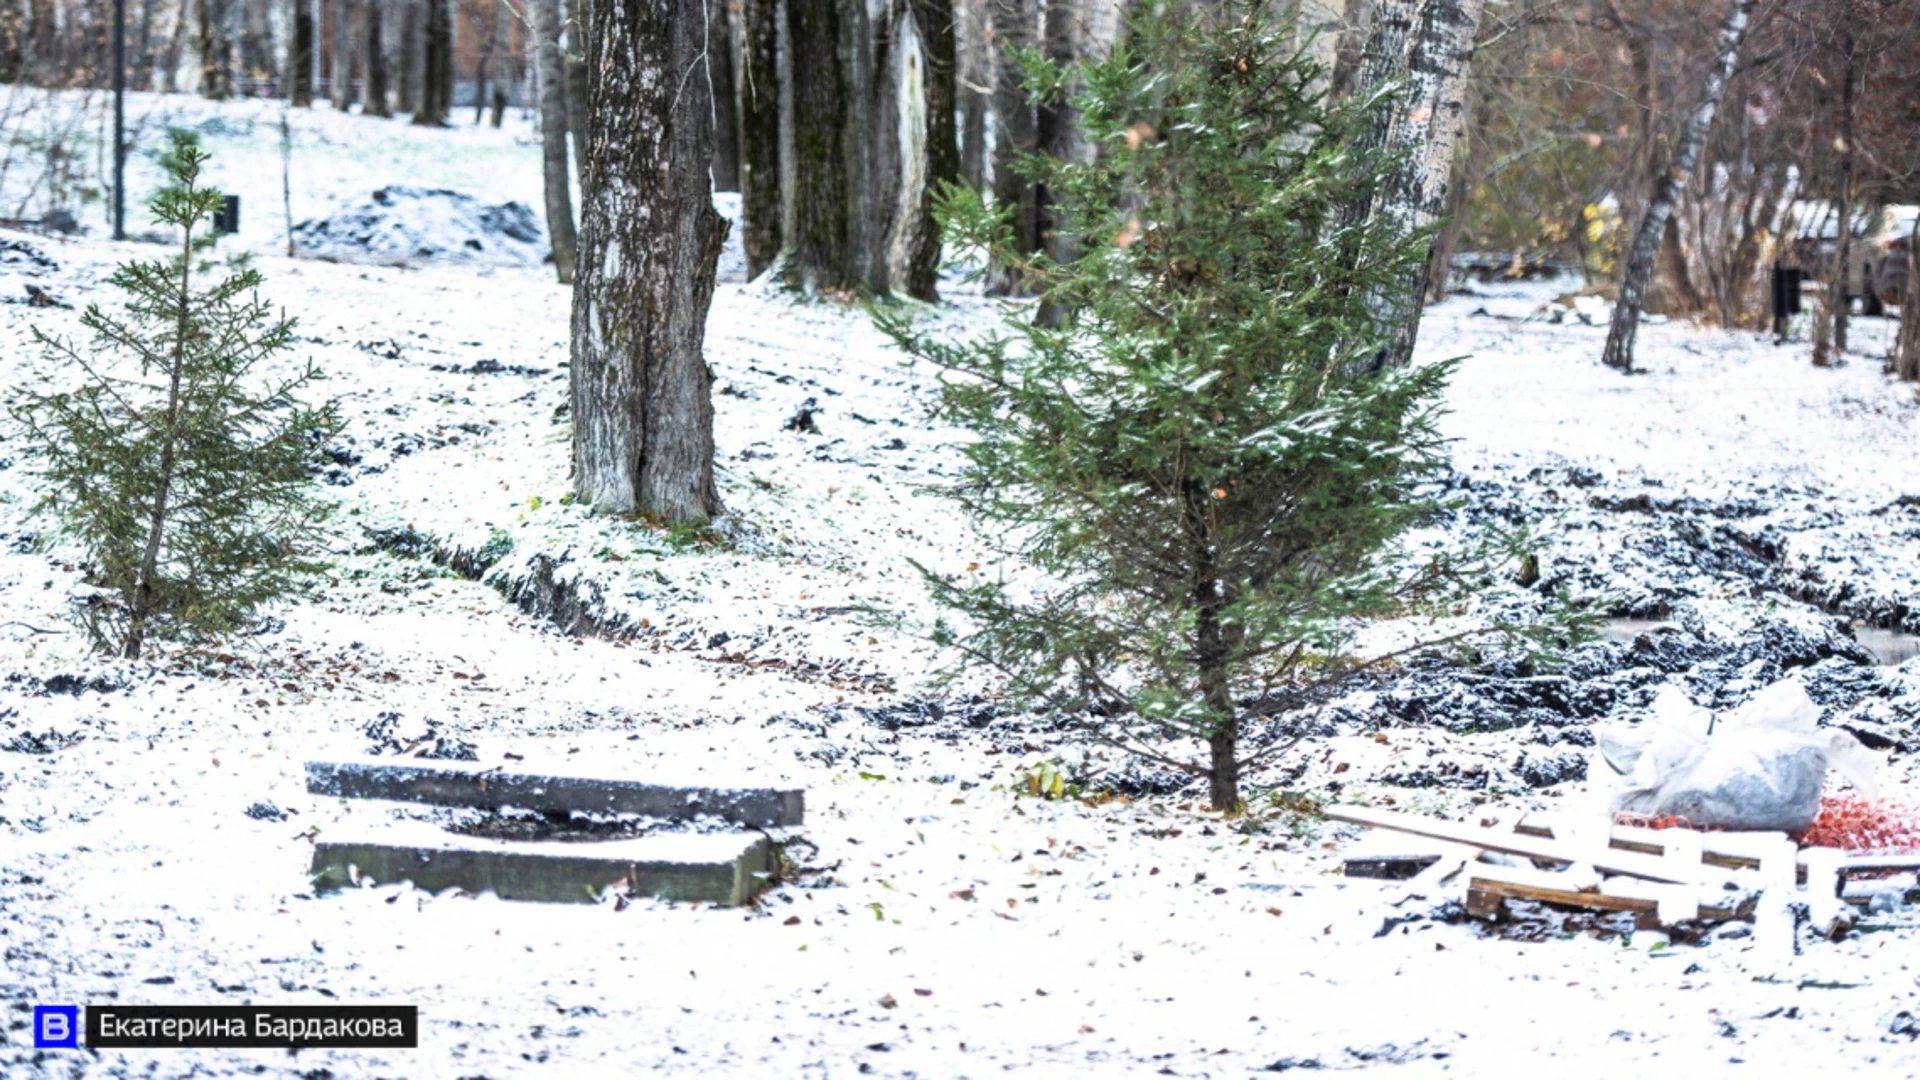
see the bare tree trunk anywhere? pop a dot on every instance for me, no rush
(341, 90)
(824, 93)
(726, 125)
(216, 75)
(502, 61)
(758, 94)
(375, 99)
(256, 41)
(974, 80)
(1646, 239)
(436, 65)
(872, 132)
(406, 98)
(1907, 362)
(551, 75)
(1839, 300)
(649, 244)
(300, 57)
(1016, 130)
(578, 14)
(1472, 166)
(1430, 46)
(142, 75)
(481, 68)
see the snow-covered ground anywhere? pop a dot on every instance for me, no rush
(938, 922)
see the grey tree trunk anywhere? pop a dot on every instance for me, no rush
(502, 62)
(256, 40)
(1428, 46)
(719, 49)
(341, 81)
(375, 98)
(757, 92)
(973, 61)
(1646, 239)
(1839, 301)
(550, 73)
(407, 53)
(1016, 130)
(649, 245)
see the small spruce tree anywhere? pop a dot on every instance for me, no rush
(1208, 494)
(187, 483)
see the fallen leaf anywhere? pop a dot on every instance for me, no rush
(1086, 1029)
(887, 1002)
(792, 920)
(923, 993)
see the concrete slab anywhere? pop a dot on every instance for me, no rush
(722, 868)
(453, 783)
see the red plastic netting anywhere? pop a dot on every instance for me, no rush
(1847, 822)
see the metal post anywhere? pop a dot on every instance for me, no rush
(119, 119)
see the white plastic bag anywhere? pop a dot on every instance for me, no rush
(1760, 766)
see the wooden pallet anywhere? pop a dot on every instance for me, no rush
(1660, 876)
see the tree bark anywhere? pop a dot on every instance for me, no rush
(1646, 240)
(300, 57)
(551, 76)
(216, 69)
(1016, 131)
(481, 69)
(872, 108)
(1908, 355)
(649, 244)
(407, 54)
(502, 62)
(256, 42)
(436, 65)
(341, 81)
(1839, 301)
(1430, 46)
(720, 52)
(577, 13)
(375, 103)
(758, 94)
(973, 80)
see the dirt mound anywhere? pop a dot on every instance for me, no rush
(401, 224)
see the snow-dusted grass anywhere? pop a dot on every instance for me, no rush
(938, 924)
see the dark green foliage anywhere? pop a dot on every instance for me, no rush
(189, 487)
(1210, 504)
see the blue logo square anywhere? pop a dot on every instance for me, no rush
(56, 1027)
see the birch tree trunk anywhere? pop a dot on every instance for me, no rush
(649, 245)
(1653, 226)
(552, 81)
(757, 91)
(374, 101)
(1429, 45)
(341, 88)
(574, 55)
(726, 125)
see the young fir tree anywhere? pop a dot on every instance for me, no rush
(1210, 496)
(189, 487)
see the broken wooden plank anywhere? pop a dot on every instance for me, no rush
(1613, 861)
(452, 783)
(1485, 893)
(1644, 842)
(721, 868)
